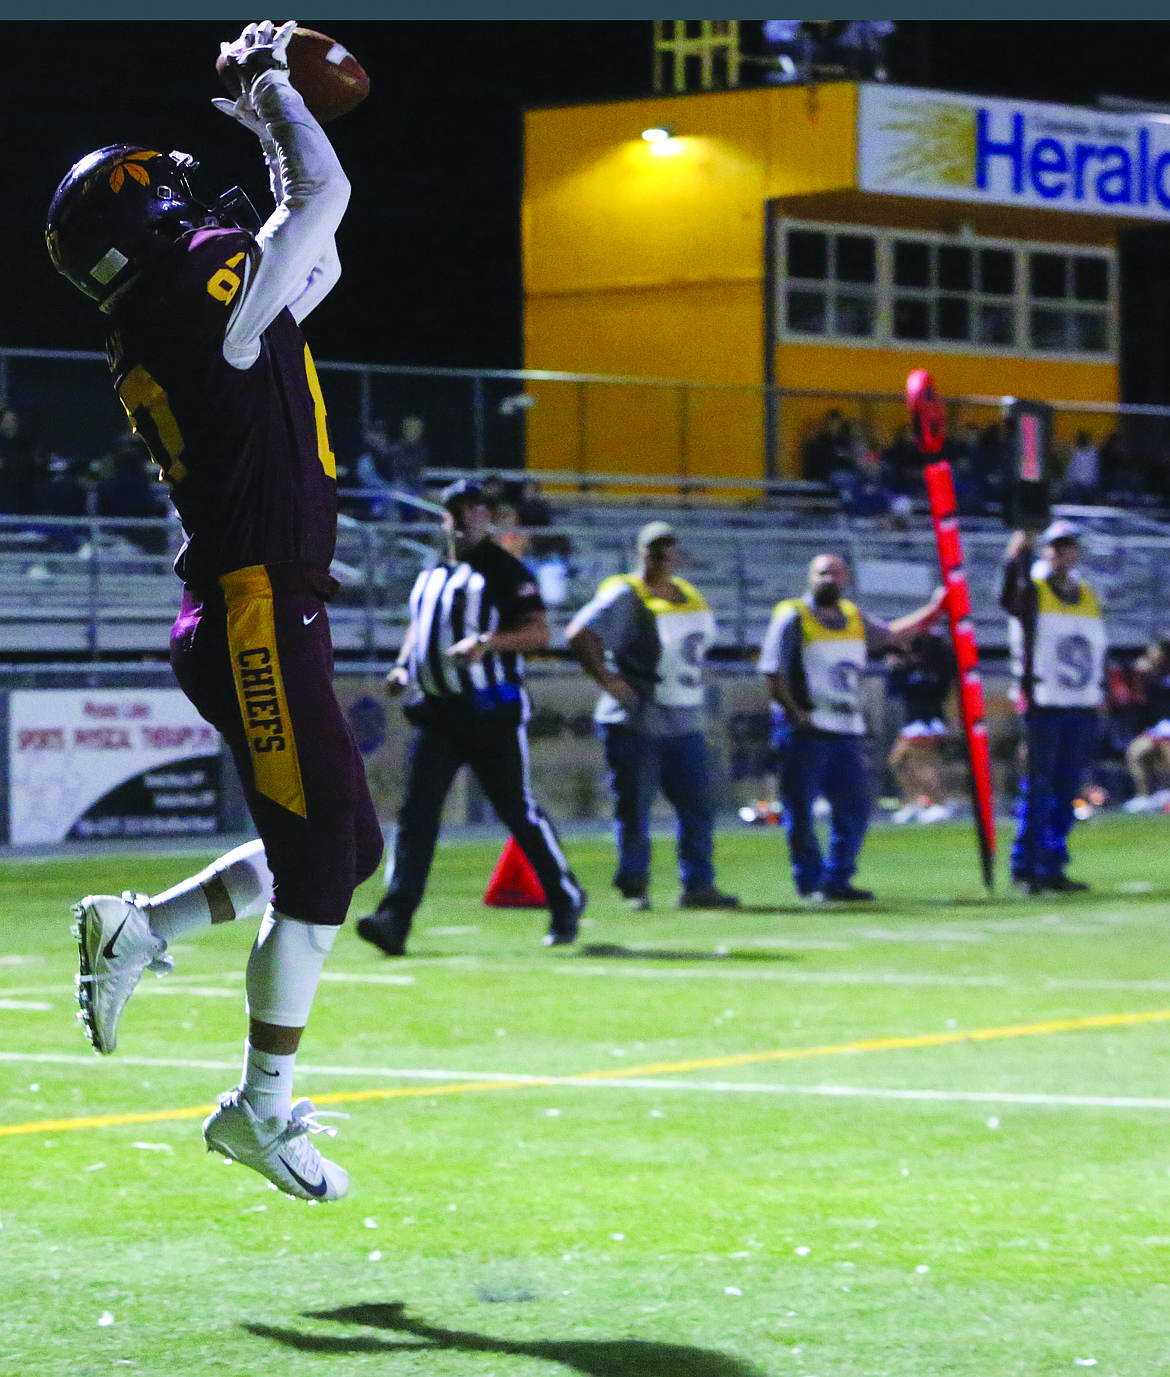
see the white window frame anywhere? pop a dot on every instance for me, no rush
(884, 291)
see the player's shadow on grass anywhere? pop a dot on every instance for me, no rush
(614, 950)
(594, 1357)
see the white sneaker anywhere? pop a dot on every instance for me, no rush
(116, 945)
(937, 812)
(280, 1151)
(907, 813)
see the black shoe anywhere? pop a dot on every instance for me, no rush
(848, 894)
(707, 897)
(562, 928)
(1061, 884)
(387, 931)
(636, 893)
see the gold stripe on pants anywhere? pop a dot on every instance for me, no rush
(251, 634)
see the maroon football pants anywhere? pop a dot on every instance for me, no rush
(255, 658)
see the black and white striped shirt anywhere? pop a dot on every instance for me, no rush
(486, 590)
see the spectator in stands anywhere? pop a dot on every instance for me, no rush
(813, 656)
(373, 470)
(532, 507)
(962, 452)
(1082, 476)
(507, 530)
(864, 488)
(989, 462)
(408, 459)
(904, 462)
(862, 45)
(1118, 471)
(922, 677)
(131, 489)
(1150, 749)
(18, 465)
(59, 490)
(808, 48)
(830, 450)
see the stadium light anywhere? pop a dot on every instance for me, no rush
(658, 134)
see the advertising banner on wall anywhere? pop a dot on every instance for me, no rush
(109, 763)
(1012, 152)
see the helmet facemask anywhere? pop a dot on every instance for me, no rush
(119, 209)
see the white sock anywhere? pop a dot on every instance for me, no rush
(238, 885)
(267, 1083)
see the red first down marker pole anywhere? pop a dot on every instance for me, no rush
(929, 418)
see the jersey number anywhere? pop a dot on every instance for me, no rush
(1074, 655)
(324, 449)
(151, 417)
(224, 284)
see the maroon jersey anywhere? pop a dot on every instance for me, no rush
(246, 452)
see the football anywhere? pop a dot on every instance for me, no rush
(330, 79)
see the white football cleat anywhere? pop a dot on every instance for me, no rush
(280, 1151)
(907, 813)
(115, 944)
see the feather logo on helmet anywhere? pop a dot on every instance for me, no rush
(130, 164)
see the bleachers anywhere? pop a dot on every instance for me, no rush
(107, 597)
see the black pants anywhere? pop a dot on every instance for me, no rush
(494, 745)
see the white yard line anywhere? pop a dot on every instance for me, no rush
(624, 1083)
(711, 969)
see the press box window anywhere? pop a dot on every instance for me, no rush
(829, 284)
(1064, 289)
(949, 283)
(848, 283)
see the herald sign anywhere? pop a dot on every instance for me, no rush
(1008, 152)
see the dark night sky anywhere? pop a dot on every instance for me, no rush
(431, 243)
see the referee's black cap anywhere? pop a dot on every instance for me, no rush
(464, 493)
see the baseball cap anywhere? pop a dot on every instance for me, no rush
(654, 531)
(464, 493)
(1061, 530)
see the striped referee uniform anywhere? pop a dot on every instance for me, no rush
(474, 715)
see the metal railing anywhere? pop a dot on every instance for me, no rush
(582, 429)
(103, 589)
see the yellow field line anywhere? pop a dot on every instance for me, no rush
(1017, 1030)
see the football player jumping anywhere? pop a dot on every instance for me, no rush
(203, 306)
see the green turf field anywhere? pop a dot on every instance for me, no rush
(763, 1142)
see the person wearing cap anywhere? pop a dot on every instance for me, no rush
(1058, 644)
(813, 655)
(472, 618)
(643, 639)
(1149, 751)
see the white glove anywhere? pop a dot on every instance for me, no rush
(260, 48)
(243, 111)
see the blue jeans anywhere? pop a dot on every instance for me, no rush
(1061, 742)
(639, 766)
(829, 763)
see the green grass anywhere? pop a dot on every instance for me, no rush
(621, 1231)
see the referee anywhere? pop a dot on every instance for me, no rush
(471, 618)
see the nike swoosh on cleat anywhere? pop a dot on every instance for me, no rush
(318, 1190)
(108, 949)
(306, 621)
